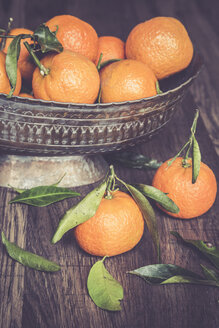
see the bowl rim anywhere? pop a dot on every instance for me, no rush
(105, 107)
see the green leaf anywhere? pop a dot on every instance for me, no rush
(211, 252)
(158, 196)
(81, 212)
(210, 274)
(148, 214)
(133, 160)
(12, 56)
(104, 290)
(196, 160)
(47, 39)
(43, 195)
(29, 259)
(160, 274)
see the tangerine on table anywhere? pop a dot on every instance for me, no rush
(75, 34)
(71, 78)
(5, 86)
(161, 42)
(116, 227)
(25, 63)
(111, 47)
(127, 80)
(193, 199)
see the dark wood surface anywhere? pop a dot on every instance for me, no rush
(34, 299)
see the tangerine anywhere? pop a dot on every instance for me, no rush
(193, 199)
(5, 86)
(116, 227)
(161, 42)
(75, 34)
(71, 77)
(111, 47)
(127, 80)
(25, 63)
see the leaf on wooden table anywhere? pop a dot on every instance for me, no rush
(103, 289)
(43, 195)
(133, 160)
(29, 259)
(81, 212)
(211, 252)
(148, 214)
(19, 190)
(210, 274)
(160, 274)
(158, 196)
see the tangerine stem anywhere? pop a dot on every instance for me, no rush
(177, 155)
(194, 124)
(193, 130)
(43, 70)
(24, 36)
(110, 183)
(99, 61)
(185, 163)
(2, 44)
(188, 150)
(104, 258)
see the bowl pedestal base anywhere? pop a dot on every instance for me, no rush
(26, 172)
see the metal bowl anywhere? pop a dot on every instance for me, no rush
(42, 128)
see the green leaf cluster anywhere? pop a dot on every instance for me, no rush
(196, 154)
(209, 251)
(160, 274)
(87, 207)
(42, 40)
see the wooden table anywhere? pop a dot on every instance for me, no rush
(29, 298)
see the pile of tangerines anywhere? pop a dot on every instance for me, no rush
(154, 49)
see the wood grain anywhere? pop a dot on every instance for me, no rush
(32, 299)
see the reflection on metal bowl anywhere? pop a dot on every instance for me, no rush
(41, 128)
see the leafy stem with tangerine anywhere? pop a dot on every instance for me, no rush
(140, 193)
(43, 39)
(196, 154)
(43, 70)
